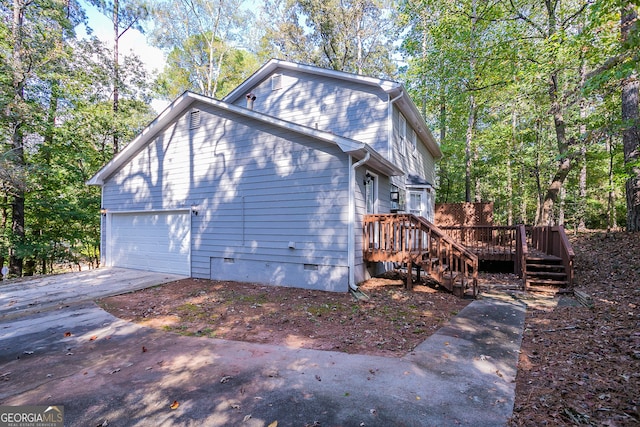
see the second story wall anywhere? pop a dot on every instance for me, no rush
(409, 152)
(350, 109)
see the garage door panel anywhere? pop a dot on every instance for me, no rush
(151, 241)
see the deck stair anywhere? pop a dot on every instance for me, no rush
(420, 246)
(545, 271)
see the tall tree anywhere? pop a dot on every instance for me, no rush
(188, 68)
(346, 35)
(630, 116)
(35, 33)
(124, 16)
(202, 41)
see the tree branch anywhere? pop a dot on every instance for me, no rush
(525, 19)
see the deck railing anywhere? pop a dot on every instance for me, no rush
(448, 253)
(495, 243)
(413, 240)
(552, 240)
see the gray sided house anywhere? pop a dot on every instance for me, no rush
(270, 184)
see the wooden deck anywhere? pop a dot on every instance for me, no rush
(540, 255)
(416, 243)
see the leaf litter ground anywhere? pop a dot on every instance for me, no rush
(578, 365)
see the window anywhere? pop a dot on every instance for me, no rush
(402, 126)
(397, 198)
(194, 119)
(370, 193)
(415, 203)
(276, 82)
(412, 140)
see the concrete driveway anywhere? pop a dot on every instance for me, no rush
(39, 294)
(105, 371)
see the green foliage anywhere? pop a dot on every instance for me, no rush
(353, 35)
(203, 45)
(188, 67)
(66, 119)
(506, 59)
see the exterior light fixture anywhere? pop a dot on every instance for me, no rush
(194, 210)
(103, 211)
(367, 178)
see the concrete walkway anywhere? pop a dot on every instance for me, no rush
(114, 371)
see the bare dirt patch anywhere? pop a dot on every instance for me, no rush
(391, 323)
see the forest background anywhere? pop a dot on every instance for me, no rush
(534, 102)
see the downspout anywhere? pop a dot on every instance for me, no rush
(103, 230)
(390, 125)
(351, 239)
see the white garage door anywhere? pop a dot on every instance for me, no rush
(159, 241)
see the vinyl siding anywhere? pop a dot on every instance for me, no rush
(349, 109)
(417, 162)
(384, 206)
(256, 188)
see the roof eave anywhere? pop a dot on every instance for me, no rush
(273, 64)
(418, 123)
(173, 110)
(179, 106)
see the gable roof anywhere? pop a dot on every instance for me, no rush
(396, 91)
(181, 104)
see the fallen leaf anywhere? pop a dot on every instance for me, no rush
(94, 337)
(174, 405)
(225, 379)
(144, 349)
(67, 334)
(246, 418)
(273, 424)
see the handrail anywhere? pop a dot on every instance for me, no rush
(444, 236)
(554, 241)
(522, 250)
(408, 238)
(566, 253)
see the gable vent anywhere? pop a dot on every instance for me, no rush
(276, 82)
(194, 119)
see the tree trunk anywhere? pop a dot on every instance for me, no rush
(510, 145)
(561, 209)
(17, 151)
(443, 118)
(631, 129)
(467, 149)
(472, 106)
(116, 75)
(611, 207)
(565, 159)
(582, 179)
